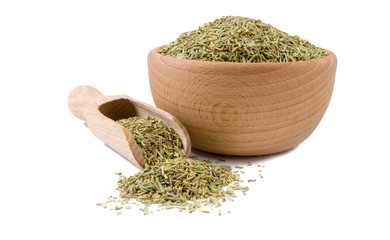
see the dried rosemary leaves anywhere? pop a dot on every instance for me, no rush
(176, 182)
(239, 39)
(154, 138)
(169, 179)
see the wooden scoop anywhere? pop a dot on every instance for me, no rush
(100, 112)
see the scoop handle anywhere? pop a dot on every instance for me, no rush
(81, 98)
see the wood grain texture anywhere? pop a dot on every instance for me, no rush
(243, 108)
(101, 112)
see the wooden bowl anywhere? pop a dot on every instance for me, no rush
(243, 108)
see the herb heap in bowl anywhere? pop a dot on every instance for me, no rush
(240, 39)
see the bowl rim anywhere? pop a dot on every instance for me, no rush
(241, 64)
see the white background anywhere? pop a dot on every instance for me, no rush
(53, 170)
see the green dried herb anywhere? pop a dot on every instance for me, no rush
(169, 179)
(182, 183)
(154, 138)
(240, 39)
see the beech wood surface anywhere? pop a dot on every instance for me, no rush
(243, 108)
(100, 112)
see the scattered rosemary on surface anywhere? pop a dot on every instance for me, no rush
(180, 183)
(240, 39)
(169, 179)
